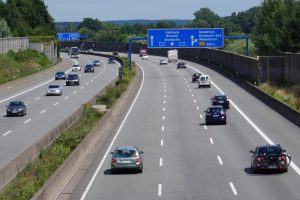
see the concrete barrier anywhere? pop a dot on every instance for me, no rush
(8, 172)
(53, 187)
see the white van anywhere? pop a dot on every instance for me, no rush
(204, 81)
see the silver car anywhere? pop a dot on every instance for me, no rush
(54, 90)
(163, 61)
(127, 157)
(76, 68)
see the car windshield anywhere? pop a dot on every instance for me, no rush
(53, 86)
(96, 61)
(214, 110)
(202, 78)
(16, 103)
(125, 153)
(220, 98)
(269, 150)
(88, 66)
(60, 73)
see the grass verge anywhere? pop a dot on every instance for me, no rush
(17, 65)
(32, 178)
(283, 92)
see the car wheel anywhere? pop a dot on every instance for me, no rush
(7, 115)
(225, 122)
(140, 170)
(112, 171)
(209, 86)
(255, 170)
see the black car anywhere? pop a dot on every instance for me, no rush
(89, 68)
(72, 79)
(181, 65)
(60, 76)
(111, 60)
(196, 77)
(115, 53)
(269, 157)
(220, 100)
(16, 108)
(215, 114)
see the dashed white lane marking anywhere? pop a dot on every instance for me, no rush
(201, 116)
(55, 104)
(162, 128)
(190, 90)
(161, 162)
(92, 80)
(81, 87)
(66, 97)
(233, 188)
(165, 102)
(95, 77)
(197, 107)
(186, 82)
(205, 127)
(163, 118)
(165, 96)
(28, 120)
(164, 87)
(165, 91)
(43, 111)
(8, 132)
(188, 86)
(161, 142)
(164, 109)
(192, 95)
(211, 141)
(159, 193)
(75, 92)
(220, 160)
(195, 101)
(37, 98)
(87, 83)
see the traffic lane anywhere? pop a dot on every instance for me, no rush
(230, 142)
(277, 128)
(191, 168)
(43, 119)
(142, 128)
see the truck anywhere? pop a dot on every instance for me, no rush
(173, 55)
(74, 52)
(142, 52)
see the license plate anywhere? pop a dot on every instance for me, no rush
(215, 115)
(221, 101)
(14, 111)
(124, 161)
(272, 166)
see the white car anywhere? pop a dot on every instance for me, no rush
(145, 57)
(204, 81)
(163, 61)
(54, 90)
(76, 68)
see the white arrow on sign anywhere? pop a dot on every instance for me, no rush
(193, 41)
(152, 38)
(172, 43)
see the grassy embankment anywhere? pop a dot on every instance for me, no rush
(39, 171)
(17, 65)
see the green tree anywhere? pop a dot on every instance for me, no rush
(91, 24)
(4, 29)
(204, 16)
(275, 27)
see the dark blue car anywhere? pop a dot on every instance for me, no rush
(220, 100)
(215, 114)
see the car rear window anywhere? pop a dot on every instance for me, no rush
(269, 150)
(15, 104)
(125, 153)
(220, 97)
(214, 110)
(53, 86)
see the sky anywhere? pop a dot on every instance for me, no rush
(76, 10)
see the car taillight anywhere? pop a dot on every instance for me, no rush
(138, 161)
(281, 158)
(259, 158)
(113, 161)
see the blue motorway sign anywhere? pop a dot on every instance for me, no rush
(186, 38)
(68, 36)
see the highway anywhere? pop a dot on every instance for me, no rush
(183, 158)
(46, 112)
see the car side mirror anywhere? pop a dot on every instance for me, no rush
(251, 151)
(283, 150)
(142, 152)
(205, 111)
(6, 106)
(111, 152)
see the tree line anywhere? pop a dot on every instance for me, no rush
(273, 26)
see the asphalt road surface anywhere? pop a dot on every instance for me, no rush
(46, 112)
(183, 158)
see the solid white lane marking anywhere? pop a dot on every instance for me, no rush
(161, 142)
(205, 127)
(233, 188)
(211, 141)
(163, 117)
(159, 193)
(197, 107)
(75, 92)
(161, 162)
(66, 97)
(55, 104)
(37, 98)
(220, 160)
(27, 121)
(8, 132)
(112, 142)
(201, 116)
(43, 111)
(162, 128)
